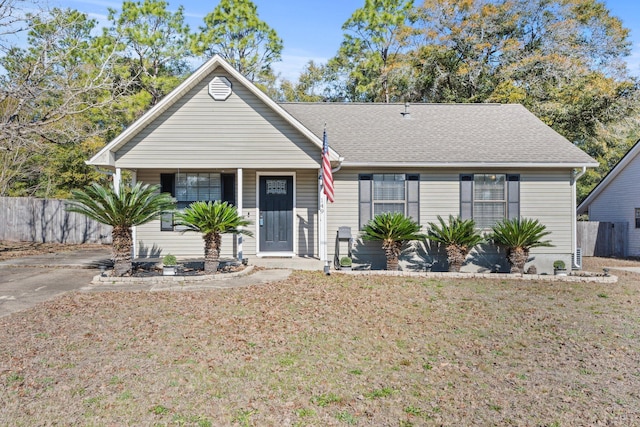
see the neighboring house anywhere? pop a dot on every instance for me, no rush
(217, 136)
(617, 198)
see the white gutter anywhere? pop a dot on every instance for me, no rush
(575, 176)
(468, 165)
(336, 169)
(100, 170)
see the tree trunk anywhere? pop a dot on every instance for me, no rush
(121, 247)
(455, 258)
(392, 252)
(392, 263)
(212, 242)
(517, 259)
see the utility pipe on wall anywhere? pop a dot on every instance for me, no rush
(575, 176)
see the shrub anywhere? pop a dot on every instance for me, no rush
(346, 261)
(169, 260)
(458, 237)
(558, 265)
(519, 235)
(393, 229)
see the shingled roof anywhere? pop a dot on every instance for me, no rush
(438, 134)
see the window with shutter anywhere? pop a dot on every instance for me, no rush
(189, 187)
(489, 197)
(388, 192)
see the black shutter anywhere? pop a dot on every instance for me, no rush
(229, 188)
(513, 196)
(167, 185)
(466, 196)
(365, 204)
(413, 197)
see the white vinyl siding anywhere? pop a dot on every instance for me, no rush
(617, 203)
(306, 213)
(151, 242)
(198, 132)
(544, 194)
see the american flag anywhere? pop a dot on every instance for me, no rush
(327, 176)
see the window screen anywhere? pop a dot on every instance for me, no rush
(388, 192)
(489, 197)
(193, 187)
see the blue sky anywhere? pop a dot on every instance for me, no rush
(312, 29)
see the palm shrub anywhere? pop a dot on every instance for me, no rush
(212, 219)
(458, 236)
(393, 229)
(122, 209)
(518, 236)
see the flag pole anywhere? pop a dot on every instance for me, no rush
(324, 200)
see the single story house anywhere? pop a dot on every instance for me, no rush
(617, 199)
(217, 136)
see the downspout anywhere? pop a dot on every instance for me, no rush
(575, 176)
(336, 169)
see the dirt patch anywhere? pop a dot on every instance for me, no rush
(329, 350)
(596, 264)
(9, 250)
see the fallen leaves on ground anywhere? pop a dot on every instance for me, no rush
(329, 350)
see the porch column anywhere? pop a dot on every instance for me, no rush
(117, 178)
(239, 207)
(134, 229)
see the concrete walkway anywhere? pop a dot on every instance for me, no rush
(85, 258)
(30, 280)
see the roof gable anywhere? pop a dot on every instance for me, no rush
(628, 158)
(107, 156)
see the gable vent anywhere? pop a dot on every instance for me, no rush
(220, 88)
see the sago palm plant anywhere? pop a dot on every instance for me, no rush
(518, 236)
(212, 219)
(393, 229)
(458, 236)
(122, 209)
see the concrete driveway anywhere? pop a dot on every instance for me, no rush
(27, 281)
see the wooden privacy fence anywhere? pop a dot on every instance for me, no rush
(27, 219)
(603, 238)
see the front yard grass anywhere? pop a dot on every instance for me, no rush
(338, 350)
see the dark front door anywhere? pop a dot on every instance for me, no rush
(276, 214)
